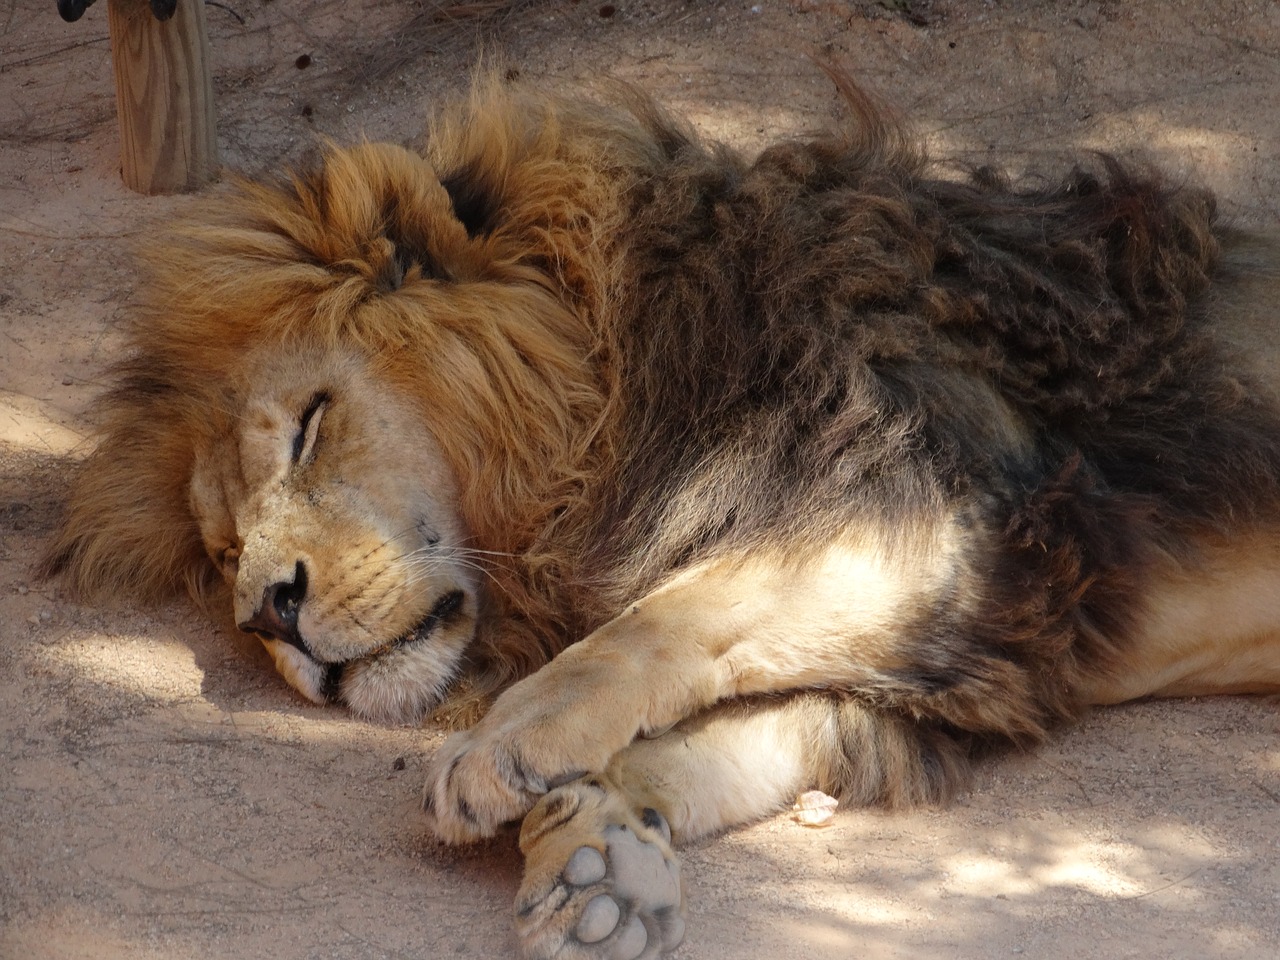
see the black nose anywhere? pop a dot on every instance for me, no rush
(277, 616)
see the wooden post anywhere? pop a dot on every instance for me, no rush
(164, 96)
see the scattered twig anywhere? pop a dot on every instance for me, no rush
(1171, 883)
(223, 6)
(1269, 792)
(16, 341)
(50, 54)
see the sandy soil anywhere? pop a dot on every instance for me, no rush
(163, 795)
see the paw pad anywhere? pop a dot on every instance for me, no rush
(615, 895)
(634, 938)
(585, 867)
(599, 918)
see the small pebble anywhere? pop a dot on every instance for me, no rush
(814, 809)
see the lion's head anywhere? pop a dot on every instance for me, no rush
(327, 506)
(356, 401)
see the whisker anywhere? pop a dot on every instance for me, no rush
(384, 543)
(487, 553)
(419, 569)
(420, 562)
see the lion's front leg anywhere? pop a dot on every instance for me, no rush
(735, 628)
(546, 730)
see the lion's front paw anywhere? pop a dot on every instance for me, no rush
(534, 739)
(601, 882)
(476, 784)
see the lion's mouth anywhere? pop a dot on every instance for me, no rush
(444, 610)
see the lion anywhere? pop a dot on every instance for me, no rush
(693, 480)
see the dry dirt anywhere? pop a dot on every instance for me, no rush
(163, 795)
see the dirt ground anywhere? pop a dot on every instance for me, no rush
(164, 795)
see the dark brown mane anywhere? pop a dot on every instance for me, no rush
(831, 335)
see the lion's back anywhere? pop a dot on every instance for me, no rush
(832, 331)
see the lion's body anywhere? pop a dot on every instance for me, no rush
(847, 471)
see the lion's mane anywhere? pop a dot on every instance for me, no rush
(646, 350)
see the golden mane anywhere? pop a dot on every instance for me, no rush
(514, 367)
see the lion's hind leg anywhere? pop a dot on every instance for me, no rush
(1207, 627)
(601, 880)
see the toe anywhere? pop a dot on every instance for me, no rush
(599, 919)
(673, 933)
(632, 941)
(585, 867)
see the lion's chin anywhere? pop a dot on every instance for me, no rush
(399, 686)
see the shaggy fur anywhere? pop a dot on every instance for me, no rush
(679, 352)
(643, 355)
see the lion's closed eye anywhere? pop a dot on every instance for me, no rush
(304, 442)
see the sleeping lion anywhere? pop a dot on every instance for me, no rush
(701, 479)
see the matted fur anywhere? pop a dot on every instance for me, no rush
(641, 354)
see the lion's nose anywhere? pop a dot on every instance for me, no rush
(277, 615)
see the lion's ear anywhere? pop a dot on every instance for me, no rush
(475, 199)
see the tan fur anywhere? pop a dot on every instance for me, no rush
(728, 477)
(1214, 629)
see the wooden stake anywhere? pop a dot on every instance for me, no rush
(164, 96)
